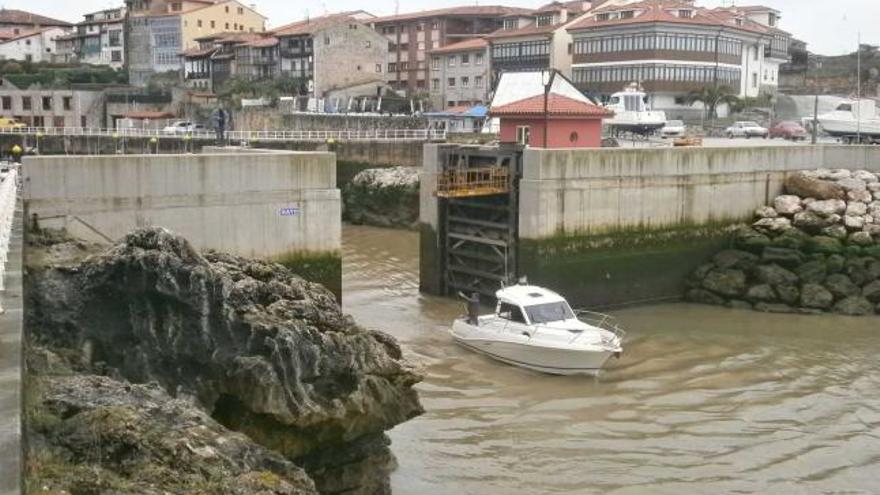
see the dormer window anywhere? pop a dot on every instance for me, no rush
(739, 21)
(628, 14)
(544, 20)
(604, 16)
(685, 13)
(510, 23)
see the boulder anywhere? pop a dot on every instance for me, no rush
(750, 239)
(872, 271)
(854, 306)
(703, 296)
(872, 229)
(827, 207)
(856, 208)
(841, 286)
(871, 291)
(788, 258)
(815, 296)
(726, 282)
(836, 231)
(772, 226)
(836, 263)
(788, 294)
(703, 270)
(858, 270)
(792, 239)
(813, 271)
(835, 174)
(872, 251)
(863, 196)
(775, 275)
(853, 223)
(812, 222)
(826, 245)
(761, 293)
(874, 187)
(733, 258)
(766, 212)
(866, 176)
(787, 205)
(853, 184)
(861, 239)
(774, 308)
(805, 186)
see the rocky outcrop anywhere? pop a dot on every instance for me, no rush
(814, 249)
(258, 349)
(383, 197)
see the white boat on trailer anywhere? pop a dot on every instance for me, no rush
(535, 328)
(632, 115)
(853, 120)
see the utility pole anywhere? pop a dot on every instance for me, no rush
(815, 129)
(859, 91)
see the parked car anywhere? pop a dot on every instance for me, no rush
(746, 129)
(7, 123)
(184, 127)
(788, 130)
(673, 128)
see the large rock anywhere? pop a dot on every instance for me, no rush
(841, 286)
(815, 296)
(861, 239)
(838, 232)
(853, 184)
(766, 212)
(866, 176)
(730, 283)
(856, 208)
(772, 226)
(775, 275)
(813, 271)
(825, 245)
(787, 205)
(871, 291)
(761, 293)
(860, 195)
(854, 306)
(806, 186)
(791, 239)
(813, 222)
(789, 258)
(789, 294)
(733, 258)
(749, 239)
(703, 296)
(835, 175)
(827, 207)
(874, 186)
(854, 223)
(836, 263)
(385, 197)
(106, 436)
(266, 352)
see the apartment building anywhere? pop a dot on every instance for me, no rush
(160, 30)
(460, 74)
(98, 40)
(674, 47)
(213, 61)
(536, 41)
(46, 107)
(411, 36)
(31, 46)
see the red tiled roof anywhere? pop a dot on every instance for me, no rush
(12, 16)
(28, 34)
(530, 30)
(575, 6)
(262, 42)
(312, 25)
(467, 10)
(660, 11)
(463, 46)
(197, 52)
(557, 105)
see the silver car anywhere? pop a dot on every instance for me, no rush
(746, 129)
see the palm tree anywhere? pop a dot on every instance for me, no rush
(711, 97)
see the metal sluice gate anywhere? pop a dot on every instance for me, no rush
(477, 193)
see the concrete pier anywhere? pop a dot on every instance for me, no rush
(11, 369)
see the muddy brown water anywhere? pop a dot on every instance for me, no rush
(705, 400)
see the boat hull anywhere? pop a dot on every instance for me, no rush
(551, 360)
(841, 128)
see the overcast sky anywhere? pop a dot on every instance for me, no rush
(830, 27)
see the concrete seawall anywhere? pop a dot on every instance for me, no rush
(611, 227)
(279, 206)
(11, 368)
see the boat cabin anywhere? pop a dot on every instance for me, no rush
(531, 305)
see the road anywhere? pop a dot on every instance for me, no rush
(722, 142)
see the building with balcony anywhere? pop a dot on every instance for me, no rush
(460, 74)
(672, 48)
(160, 30)
(411, 36)
(536, 41)
(213, 61)
(333, 52)
(97, 40)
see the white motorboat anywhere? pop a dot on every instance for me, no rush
(852, 118)
(535, 328)
(631, 113)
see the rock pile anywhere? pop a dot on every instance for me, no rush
(815, 249)
(383, 197)
(245, 345)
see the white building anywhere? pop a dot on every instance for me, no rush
(98, 40)
(34, 46)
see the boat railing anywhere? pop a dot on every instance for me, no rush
(601, 320)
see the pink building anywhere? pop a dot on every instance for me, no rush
(566, 123)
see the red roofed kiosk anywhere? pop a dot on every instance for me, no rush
(571, 120)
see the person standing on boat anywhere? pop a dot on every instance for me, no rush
(473, 307)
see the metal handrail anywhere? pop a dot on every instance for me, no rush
(600, 320)
(265, 135)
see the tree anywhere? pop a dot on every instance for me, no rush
(711, 97)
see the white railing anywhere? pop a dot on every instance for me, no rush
(241, 136)
(8, 199)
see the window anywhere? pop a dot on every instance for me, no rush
(754, 80)
(241, 11)
(115, 38)
(509, 23)
(67, 102)
(47, 103)
(550, 312)
(478, 59)
(26, 102)
(213, 24)
(82, 121)
(421, 46)
(177, 7)
(392, 67)
(404, 66)
(465, 81)
(573, 137)
(116, 56)
(435, 84)
(509, 311)
(227, 9)
(435, 25)
(420, 27)
(685, 14)
(227, 26)
(627, 14)
(544, 20)
(478, 81)
(523, 136)
(450, 82)
(58, 121)
(465, 59)
(368, 44)
(378, 67)
(199, 23)
(6, 103)
(435, 63)
(451, 61)
(27, 42)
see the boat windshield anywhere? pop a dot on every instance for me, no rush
(549, 312)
